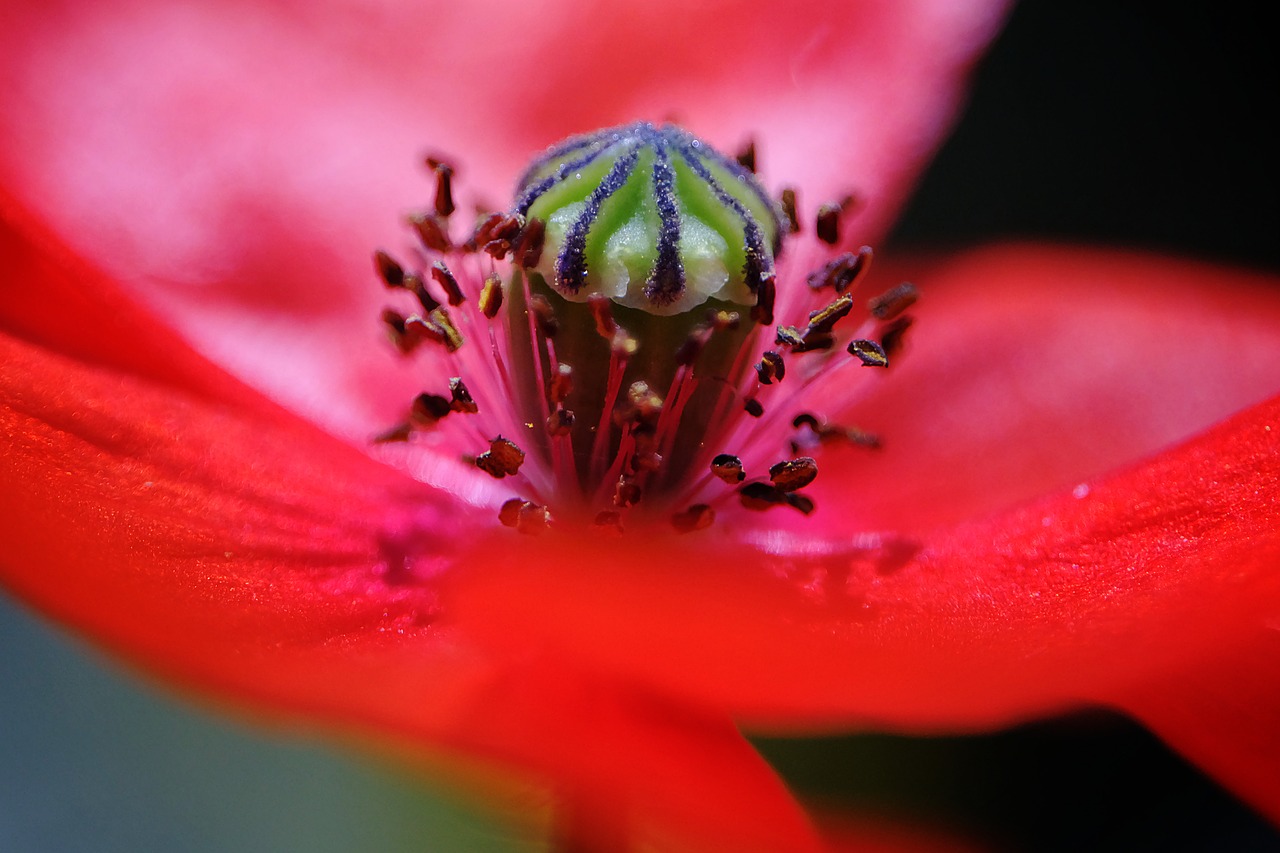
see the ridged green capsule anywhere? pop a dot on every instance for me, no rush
(652, 217)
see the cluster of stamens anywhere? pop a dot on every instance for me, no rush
(600, 343)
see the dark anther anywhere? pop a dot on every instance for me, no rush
(561, 384)
(622, 344)
(461, 400)
(815, 339)
(445, 278)
(484, 231)
(728, 467)
(806, 419)
(528, 246)
(759, 496)
(892, 335)
(431, 231)
(405, 332)
(724, 320)
(560, 422)
(787, 336)
(824, 433)
(643, 404)
(804, 503)
(747, 156)
(414, 284)
(391, 273)
(696, 517)
(771, 368)
(753, 407)
(605, 325)
(825, 318)
(789, 210)
(497, 232)
(444, 189)
(891, 303)
(827, 224)
(399, 432)
(843, 271)
(440, 328)
(609, 520)
(688, 351)
(524, 516)
(870, 353)
(626, 493)
(502, 459)
(428, 409)
(491, 296)
(794, 474)
(544, 315)
(766, 294)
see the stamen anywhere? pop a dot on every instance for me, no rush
(525, 516)
(461, 398)
(502, 459)
(428, 410)
(771, 368)
(389, 270)
(893, 334)
(891, 303)
(728, 468)
(444, 189)
(445, 278)
(491, 297)
(622, 302)
(794, 474)
(843, 271)
(827, 224)
(789, 210)
(870, 353)
(696, 517)
(431, 230)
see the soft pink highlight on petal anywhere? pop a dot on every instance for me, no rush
(237, 163)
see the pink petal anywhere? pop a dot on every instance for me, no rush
(237, 163)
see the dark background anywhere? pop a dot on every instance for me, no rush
(1089, 122)
(1103, 122)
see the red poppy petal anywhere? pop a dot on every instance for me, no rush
(1070, 600)
(1222, 715)
(1033, 368)
(238, 163)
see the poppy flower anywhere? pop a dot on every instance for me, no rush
(1075, 502)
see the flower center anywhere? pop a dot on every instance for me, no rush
(608, 346)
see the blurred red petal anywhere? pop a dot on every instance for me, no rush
(237, 163)
(1222, 715)
(1031, 369)
(1061, 603)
